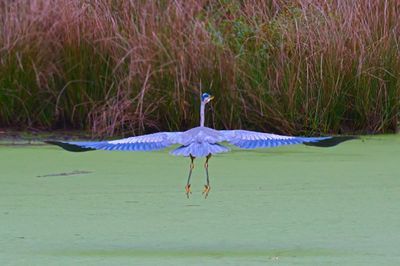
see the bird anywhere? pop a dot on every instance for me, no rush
(200, 142)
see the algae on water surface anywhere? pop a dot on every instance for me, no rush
(289, 205)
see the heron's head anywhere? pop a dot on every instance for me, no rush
(206, 98)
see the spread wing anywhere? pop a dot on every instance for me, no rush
(149, 142)
(251, 140)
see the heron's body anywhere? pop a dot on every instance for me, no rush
(200, 142)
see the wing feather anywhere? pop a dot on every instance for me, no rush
(149, 142)
(246, 139)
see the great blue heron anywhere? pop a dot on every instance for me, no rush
(200, 142)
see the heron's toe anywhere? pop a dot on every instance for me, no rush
(188, 190)
(206, 190)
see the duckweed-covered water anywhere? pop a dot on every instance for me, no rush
(294, 205)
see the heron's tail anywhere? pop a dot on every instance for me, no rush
(199, 149)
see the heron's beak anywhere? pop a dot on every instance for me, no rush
(211, 98)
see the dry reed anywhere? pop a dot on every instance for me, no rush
(128, 67)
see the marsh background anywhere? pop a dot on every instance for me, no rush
(130, 67)
(109, 68)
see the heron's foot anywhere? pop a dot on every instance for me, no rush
(188, 191)
(206, 190)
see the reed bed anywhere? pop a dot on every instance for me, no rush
(128, 67)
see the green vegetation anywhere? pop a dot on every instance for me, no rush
(293, 205)
(116, 67)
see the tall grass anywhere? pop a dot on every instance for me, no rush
(123, 67)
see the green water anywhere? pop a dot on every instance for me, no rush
(294, 205)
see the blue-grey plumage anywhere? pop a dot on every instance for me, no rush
(199, 149)
(200, 142)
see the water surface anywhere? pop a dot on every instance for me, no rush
(293, 205)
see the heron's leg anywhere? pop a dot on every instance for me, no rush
(187, 187)
(207, 187)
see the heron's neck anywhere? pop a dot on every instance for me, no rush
(202, 107)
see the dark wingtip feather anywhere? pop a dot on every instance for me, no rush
(331, 141)
(68, 147)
